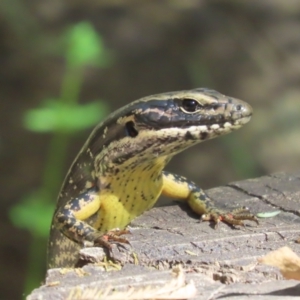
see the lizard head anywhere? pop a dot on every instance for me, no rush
(165, 124)
(197, 114)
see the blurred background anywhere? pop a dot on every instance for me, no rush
(64, 65)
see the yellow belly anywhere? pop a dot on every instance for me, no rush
(129, 195)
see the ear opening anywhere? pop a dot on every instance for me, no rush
(130, 129)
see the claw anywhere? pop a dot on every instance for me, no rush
(236, 217)
(112, 235)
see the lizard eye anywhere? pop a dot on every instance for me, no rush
(130, 129)
(189, 105)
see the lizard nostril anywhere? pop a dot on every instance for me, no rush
(239, 107)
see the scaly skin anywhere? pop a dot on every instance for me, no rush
(119, 172)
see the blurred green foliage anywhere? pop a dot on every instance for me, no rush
(61, 116)
(85, 47)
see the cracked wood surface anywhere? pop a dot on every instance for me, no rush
(222, 263)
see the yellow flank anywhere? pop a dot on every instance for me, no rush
(198, 205)
(111, 214)
(180, 188)
(87, 209)
(175, 189)
(131, 193)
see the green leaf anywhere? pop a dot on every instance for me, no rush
(33, 213)
(269, 214)
(85, 46)
(58, 116)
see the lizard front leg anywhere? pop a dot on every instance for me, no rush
(176, 186)
(70, 220)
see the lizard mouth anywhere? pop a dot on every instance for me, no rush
(219, 123)
(243, 120)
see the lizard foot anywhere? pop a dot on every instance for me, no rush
(236, 217)
(113, 235)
